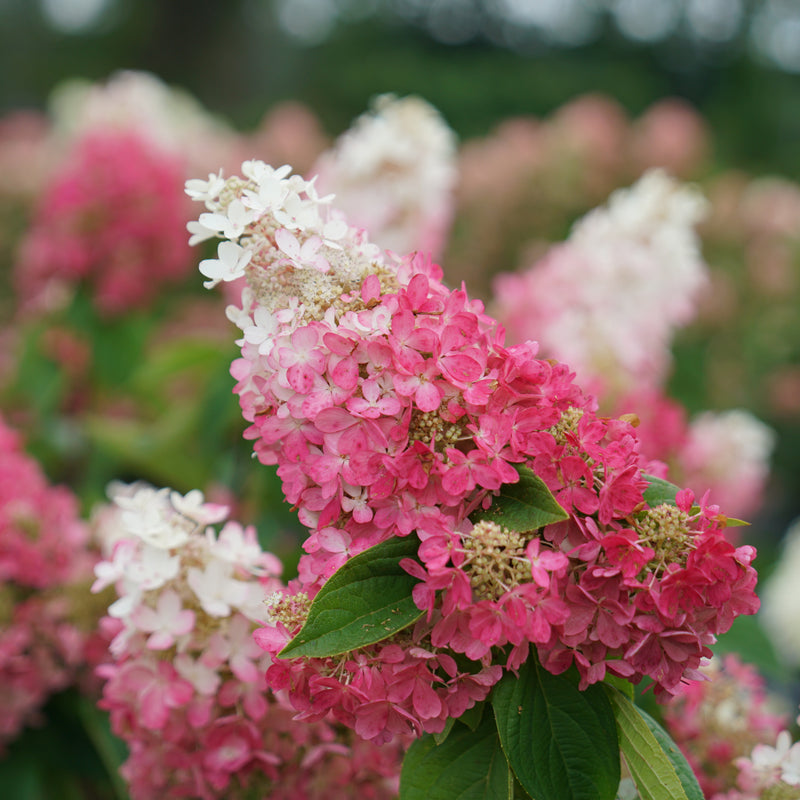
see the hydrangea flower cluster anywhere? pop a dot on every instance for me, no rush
(780, 615)
(721, 719)
(394, 173)
(529, 176)
(44, 555)
(391, 406)
(608, 299)
(141, 104)
(112, 219)
(729, 451)
(769, 772)
(725, 452)
(186, 687)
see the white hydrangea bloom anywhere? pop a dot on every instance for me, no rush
(143, 516)
(729, 453)
(139, 101)
(216, 588)
(239, 545)
(261, 330)
(780, 600)
(781, 762)
(171, 569)
(199, 232)
(609, 299)
(193, 505)
(298, 255)
(153, 567)
(393, 173)
(655, 221)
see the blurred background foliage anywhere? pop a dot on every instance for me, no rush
(477, 61)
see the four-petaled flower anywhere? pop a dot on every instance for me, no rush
(229, 264)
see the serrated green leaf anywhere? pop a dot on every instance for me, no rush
(651, 768)
(365, 601)
(684, 772)
(523, 506)
(561, 743)
(469, 765)
(659, 491)
(624, 686)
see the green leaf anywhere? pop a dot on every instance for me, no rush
(469, 765)
(523, 506)
(651, 766)
(365, 601)
(561, 743)
(472, 716)
(111, 751)
(659, 491)
(442, 735)
(732, 522)
(624, 686)
(683, 770)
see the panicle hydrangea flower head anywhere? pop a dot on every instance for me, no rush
(391, 406)
(186, 684)
(673, 135)
(729, 452)
(721, 718)
(725, 452)
(781, 609)
(394, 174)
(608, 300)
(769, 773)
(110, 219)
(42, 540)
(44, 560)
(141, 104)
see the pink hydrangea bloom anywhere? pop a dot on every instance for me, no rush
(140, 103)
(671, 134)
(726, 453)
(42, 540)
(373, 380)
(44, 558)
(721, 718)
(771, 766)
(185, 686)
(112, 219)
(729, 453)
